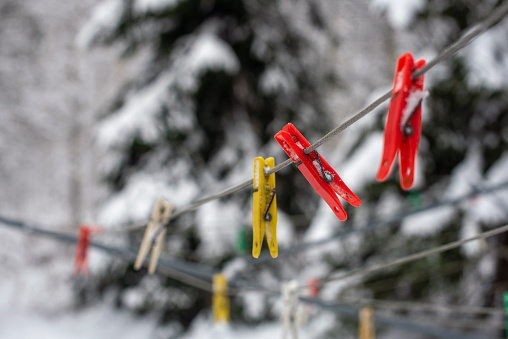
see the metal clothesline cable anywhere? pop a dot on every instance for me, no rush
(463, 323)
(414, 257)
(190, 274)
(352, 312)
(200, 277)
(389, 284)
(377, 224)
(419, 306)
(493, 19)
(372, 226)
(203, 281)
(204, 274)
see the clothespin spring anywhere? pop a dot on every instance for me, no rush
(407, 129)
(327, 177)
(267, 216)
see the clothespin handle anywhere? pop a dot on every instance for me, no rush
(220, 300)
(264, 208)
(159, 241)
(403, 124)
(366, 326)
(81, 255)
(320, 175)
(160, 216)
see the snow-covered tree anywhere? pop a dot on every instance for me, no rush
(221, 78)
(463, 148)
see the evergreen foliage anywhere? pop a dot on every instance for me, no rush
(208, 117)
(223, 77)
(462, 139)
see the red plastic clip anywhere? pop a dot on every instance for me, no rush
(81, 257)
(323, 178)
(314, 287)
(403, 125)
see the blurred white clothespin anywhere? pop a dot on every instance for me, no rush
(160, 216)
(290, 294)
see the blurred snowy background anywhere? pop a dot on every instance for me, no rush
(106, 105)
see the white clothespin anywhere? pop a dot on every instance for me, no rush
(290, 295)
(160, 216)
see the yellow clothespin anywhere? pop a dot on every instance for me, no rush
(264, 208)
(366, 327)
(220, 299)
(160, 216)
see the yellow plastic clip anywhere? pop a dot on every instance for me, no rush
(264, 208)
(160, 216)
(220, 299)
(366, 327)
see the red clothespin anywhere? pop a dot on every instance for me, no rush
(323, 178)
(314, 287)
(403, 125)
(81, 257)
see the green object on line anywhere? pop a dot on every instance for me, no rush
(241, 240)
(505, 298)
(415, 199)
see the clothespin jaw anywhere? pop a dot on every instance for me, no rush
(366, 325)
(220, 300)
(290, 295)
(403, 124)
(264, 208)
(323, 178)
(81, 256)
(160, 216)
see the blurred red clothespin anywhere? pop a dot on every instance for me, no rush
(403, 125)
(81, 257)
(322, 177)
(314, 287)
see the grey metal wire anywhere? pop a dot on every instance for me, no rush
(410, 305)
(416, 256)
(376, 225)
(490, 21)
(201, 278)
(402, 324)
(187, 273)
(493, 19)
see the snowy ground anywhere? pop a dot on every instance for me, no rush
(98, 322)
